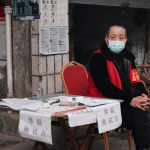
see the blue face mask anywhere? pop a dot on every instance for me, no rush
(116, 46)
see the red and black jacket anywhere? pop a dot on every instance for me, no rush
(104, 77)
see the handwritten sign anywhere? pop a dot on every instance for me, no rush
(109, 117)
(82, 117)
(35, 126)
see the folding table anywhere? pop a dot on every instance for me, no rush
(61, 119)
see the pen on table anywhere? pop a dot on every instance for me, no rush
(55, 102)
(81, 104)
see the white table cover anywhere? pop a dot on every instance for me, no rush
(35, 126)
(107, 116)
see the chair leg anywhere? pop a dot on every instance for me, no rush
(36, 145)
(90, 142)
(105, 141)
(129, 140)
(73, 134)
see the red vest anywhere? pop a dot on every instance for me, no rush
(114, 78)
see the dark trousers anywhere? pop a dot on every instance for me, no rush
(136, 120)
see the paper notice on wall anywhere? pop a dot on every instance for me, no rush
(53, 40)
(35, 126)
(54, 12)
(109, 117)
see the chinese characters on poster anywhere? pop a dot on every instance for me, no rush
(53, 40)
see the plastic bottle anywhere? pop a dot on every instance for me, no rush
(40, 90)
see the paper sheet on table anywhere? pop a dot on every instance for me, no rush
(5, 104)
(35, 126)
(56, 110)
(87, 101)
(34, 107)
(96, 102)
(17, 104)
(109, 117)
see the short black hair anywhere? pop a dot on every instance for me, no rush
(117, 26)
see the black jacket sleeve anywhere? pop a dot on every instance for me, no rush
(101, 78)
(138, 87)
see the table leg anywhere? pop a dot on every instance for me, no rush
(91, 142)
(87, 137)
(73, 134)
(36, 145)
(68, 132)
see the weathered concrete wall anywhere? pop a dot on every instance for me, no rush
(22, 68)
(46, 66)
(9, 123)
(29, 64)
(3, 61)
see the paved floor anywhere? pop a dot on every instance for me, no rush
(117, 142)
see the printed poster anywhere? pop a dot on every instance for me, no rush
(54, 12)
(53, 40)
(26, 9)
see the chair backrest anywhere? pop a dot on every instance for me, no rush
(74, 79)
(145, 77)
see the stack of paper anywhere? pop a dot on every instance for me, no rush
(25, 103)
(19, 104)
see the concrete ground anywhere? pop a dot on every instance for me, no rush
(117, 142)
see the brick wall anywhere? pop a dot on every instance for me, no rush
(46, 66)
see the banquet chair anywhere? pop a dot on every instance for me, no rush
(74, 79)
